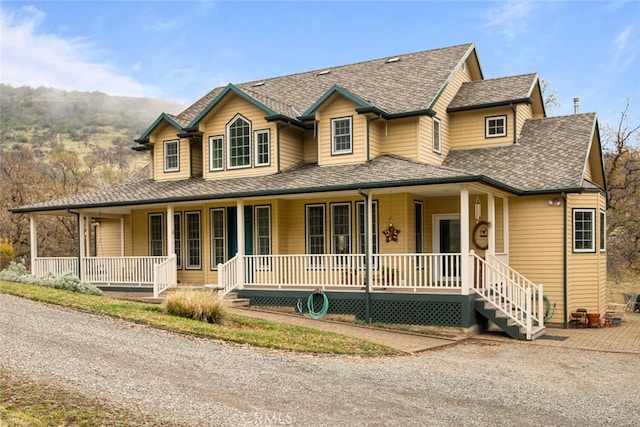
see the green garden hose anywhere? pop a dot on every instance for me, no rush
(312, 313)
(548, 310)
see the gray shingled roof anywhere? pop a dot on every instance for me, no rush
(380, 172)
(493, 91)
(550, 155)
(410, 84)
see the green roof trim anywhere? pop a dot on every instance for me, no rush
(237, 91)
(490, 105)
(311, 112)
(144, 138)
(472, 48)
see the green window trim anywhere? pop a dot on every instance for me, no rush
(262, 140)
(238, 143)
(193, 240)
(156, 234)
(218, 239)
(341, 136)
(171, 152)
(216, 153)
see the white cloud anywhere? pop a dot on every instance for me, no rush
(625, 49)
(509, 18)
(30, 58)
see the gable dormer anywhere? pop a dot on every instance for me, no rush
(492, 112)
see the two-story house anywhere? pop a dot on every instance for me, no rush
(408, 189)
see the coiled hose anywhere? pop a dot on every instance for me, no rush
(312, 313)
(548, 310)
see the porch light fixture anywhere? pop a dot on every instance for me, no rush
(478, 210)
(555, 202)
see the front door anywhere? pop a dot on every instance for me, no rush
(446, 240)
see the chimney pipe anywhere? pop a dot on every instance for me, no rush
(576, 105)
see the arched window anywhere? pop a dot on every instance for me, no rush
(238, 143)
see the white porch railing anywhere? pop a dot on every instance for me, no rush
(509, 292)
(228, 276)
(164, 275)
(130, 270)
(56, 266)
(411, 272)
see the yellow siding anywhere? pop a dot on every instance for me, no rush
(291, 147)
(585, 276)
(215, 124)
(587, 172)
(524, 112)
(447, 137)
(310, 144)
(400, 137)
(108, 238)
(536, 245)
(196, 159)
(468, 128)
(339, 107)
(169, 133)
(376, 133)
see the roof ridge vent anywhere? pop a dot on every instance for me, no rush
(324, 72)
(261, 83)
(392, 60)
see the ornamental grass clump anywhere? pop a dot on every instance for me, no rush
(17, 272)
(198, 305)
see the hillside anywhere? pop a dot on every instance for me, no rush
(42, 117)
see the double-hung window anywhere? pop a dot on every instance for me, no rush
(156, 235)
(495, 126)
(603, 231)
(437, 139)
(172, 156)
(239, 143)
(584, 232)
(216, 153)
(341, 228)
(341, 136)
(315, 228)
(217, 237)
(261, 138)
(263, 235)
(193, 246)
(177, 238)
(362, 229)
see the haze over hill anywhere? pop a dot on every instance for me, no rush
(42, 117)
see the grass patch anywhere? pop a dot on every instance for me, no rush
(25, 402)
(240, 329)
(197, 305)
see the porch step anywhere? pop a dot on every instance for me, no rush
(234, 301)
(509, 326)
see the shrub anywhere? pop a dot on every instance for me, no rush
(17, 272)
(198, 305)
(7, 253)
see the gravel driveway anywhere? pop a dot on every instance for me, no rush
(206, 382)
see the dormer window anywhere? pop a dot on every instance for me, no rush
(172, 156)
(495, 126)
(341, 136)
(238, 143)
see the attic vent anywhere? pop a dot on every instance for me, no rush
(323, 72)
(258, 84)
(394, 59)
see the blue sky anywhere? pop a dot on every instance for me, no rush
(181, 50)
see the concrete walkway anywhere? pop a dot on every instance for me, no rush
(618, 339)
(402, 341)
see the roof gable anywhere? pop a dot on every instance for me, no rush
(164, 117)
(335, 89)
(494, 92)
(550, 155)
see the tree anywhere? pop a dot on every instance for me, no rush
(622, 170)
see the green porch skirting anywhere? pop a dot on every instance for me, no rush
(398, 308)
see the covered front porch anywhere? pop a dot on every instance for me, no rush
(429, 241)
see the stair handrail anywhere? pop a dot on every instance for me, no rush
(227, 276)
(164, 275)
(510, 292)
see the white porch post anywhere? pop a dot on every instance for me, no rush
(81, 244)
(33, 236)
(171, 237)
(369, 247)
(505, 226)
(122, 236)
(491, 217)
(465, 276)
(240, 238)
